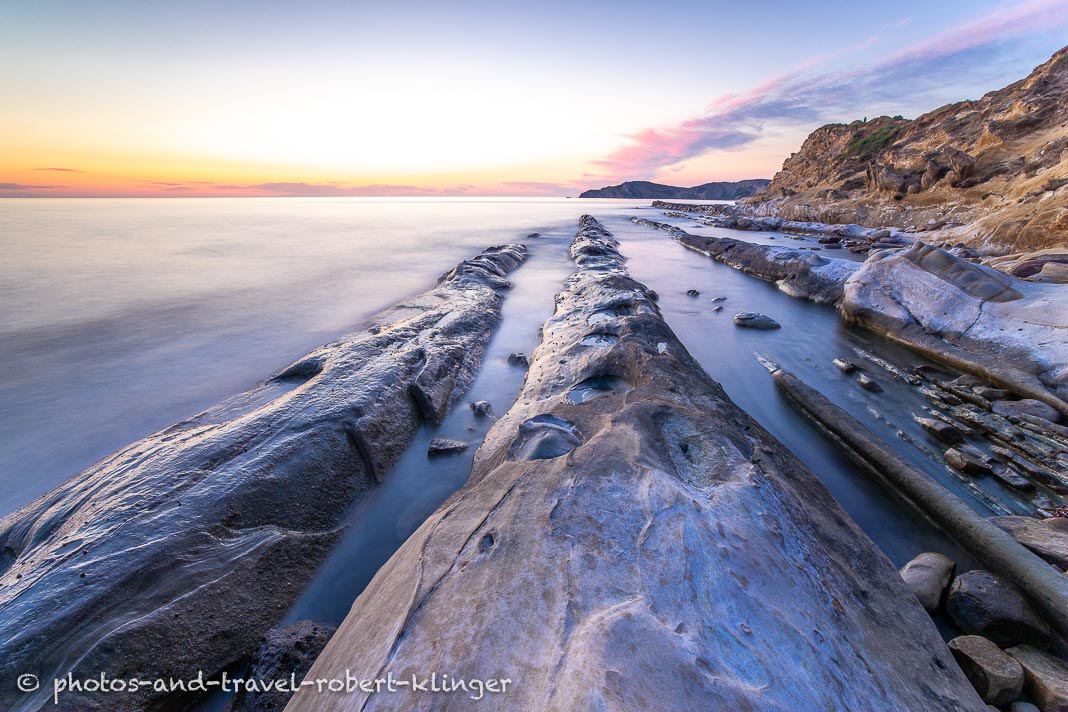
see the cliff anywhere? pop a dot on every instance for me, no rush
(991, 172)
(708, 191)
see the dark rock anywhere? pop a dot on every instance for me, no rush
(645, 567)
(1045, 677)
(481, 408)
(1046, 537)
(983, 604)
(966, 463)
(534, 234)
(844, 366)
(1011, 478)
(518, 359)
(445, 446)
(941, 430)
(868, 383)
(284, 652)
(692, 293)
(201, 536)
(754, 320)
(928, 577)
(995, 675)
(1029, 406)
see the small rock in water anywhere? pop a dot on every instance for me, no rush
(518, 359)
(980, 603)
(445, 446)
(755, 320)
(1029, 406)
(928, 576)
(992, 394)
(943, 431)
(534, 234)
(845, 366)
(1045, 677)
(692, 293)
(482, 408)
(719, 299)
(717, 309)
(1011, 478)
(868, 383)
(995, 675)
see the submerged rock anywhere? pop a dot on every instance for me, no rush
(995, 675)
(982, 604)
(518, 359)
(445, 446)
(754, 320)
(928, 577)
(482, 408)
(868, 383)
(179, 552)
(665, 552)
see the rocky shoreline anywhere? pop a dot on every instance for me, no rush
(178, 553)
(629, 538)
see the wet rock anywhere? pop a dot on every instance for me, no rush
(654, 549)
(995, 675)
(482, 408)
(1011, 478)
(534, 234)
(692, 293)
(868, 383)
(518, 359)
(1045, 678)
(928, 577)
(1029, 406)
(983, 604)
(445, 446)
(992, 394)
(940, 430)
(201, 536)
(844, 366)
(719, 299)
(966, 463)
(284, 652)
(1046, 537)
(754, 320)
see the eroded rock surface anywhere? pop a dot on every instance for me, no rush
(177, 553)
(650, 548)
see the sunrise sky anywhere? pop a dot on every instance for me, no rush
(324, 97)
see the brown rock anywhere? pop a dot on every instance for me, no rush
(1045, 677)
(1046, 537)
(928, 577)
(996, 676)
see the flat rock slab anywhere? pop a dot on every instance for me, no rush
(177, 553)
(1046, 537)
(649, 548)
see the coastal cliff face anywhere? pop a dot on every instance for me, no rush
(630, 539)
(995, 169)
(639, 189)
(176, 554)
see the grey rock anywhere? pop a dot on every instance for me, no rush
(518, 359)
(1020, 706)
(928, 577)
(754, 320)
(284, 652)
(179, 552)
(844, 366)
(966, 463)
(868, 383)
(1045, 678)
(983, 604)
(1046, 537)
(445, 446)
(995, 675)
(641, 562)
(534, 234)
(1028, 406)
(941, 430)
(482, 408)
(992, 394)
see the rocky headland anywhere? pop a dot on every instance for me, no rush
(178, 553)
(630, 539)
(640, 189)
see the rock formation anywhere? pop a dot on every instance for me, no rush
(177, 553)
(725, 190)
(630, 539)
(991, 173)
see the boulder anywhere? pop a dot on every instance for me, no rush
(285, 653)
(995, 675)
(482, 408)
(518, 359)
(1029, 406)
(754, 320)
(1045, 677)
(650, 548)
(177, 554)
(983, 604)
(1046, 537)
(928, 577)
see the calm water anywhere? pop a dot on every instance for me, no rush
(124, 316)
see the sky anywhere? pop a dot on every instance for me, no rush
(332, 98)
